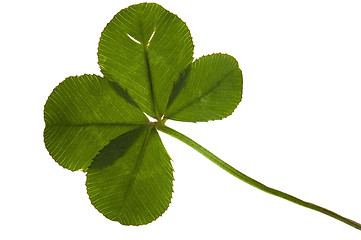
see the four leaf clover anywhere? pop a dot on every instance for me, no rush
(97, 124)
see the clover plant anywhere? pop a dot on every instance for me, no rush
(98, 124)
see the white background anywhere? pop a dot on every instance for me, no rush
(297, 128)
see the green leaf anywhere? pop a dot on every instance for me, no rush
(210, 90)
(98, 125)
(82, 115)
(145, 48)
(131, 179)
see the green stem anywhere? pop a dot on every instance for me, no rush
(251, 181)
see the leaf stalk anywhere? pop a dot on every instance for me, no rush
(251, 181)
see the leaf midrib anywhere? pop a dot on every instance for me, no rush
(132, 180)
(149, 75)
(202, 96)
(94, 124)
